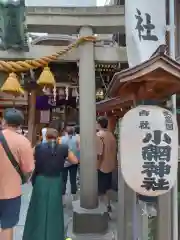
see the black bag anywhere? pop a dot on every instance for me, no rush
(11, 158)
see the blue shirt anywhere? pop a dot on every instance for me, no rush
(71, 141)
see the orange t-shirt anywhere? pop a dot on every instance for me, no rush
(108, 151)
(10, 181)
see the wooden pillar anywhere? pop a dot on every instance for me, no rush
(31, 114)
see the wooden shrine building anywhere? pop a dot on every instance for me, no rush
(152, 82)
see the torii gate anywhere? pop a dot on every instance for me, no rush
(85, 22)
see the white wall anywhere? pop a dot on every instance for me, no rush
(60, 3)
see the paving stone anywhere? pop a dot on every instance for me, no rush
(27, 189)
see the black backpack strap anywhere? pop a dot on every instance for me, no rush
(10, 155)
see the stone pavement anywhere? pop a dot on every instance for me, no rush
(67, 213)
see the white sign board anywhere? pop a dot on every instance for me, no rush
(149, 150)
(145, 23)
(45, 116)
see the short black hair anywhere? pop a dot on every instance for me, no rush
(77, 129)
(13, 117)
(70, 130)
(102, 121)
(57, 124)
(70, 124)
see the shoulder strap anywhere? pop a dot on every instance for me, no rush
(10, 155)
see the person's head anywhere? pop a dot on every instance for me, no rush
(77, 129)
(12, 118)
(58, 125)
(102, 123)
(70, 130)
(51, 134)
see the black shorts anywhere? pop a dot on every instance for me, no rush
(104, 182)
(9, 212)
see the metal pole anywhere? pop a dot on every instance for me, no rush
(126, 207)
(121, 203)
(164, 231)
(174, 196)
(129, 209)
(121, 189)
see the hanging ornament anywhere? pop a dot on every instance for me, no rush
(77, 95)
(54, 93)
(46, 78)
(67, 93)
(12, 86)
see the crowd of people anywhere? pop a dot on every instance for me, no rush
(47, 166)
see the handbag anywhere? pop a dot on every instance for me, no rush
(11, 158)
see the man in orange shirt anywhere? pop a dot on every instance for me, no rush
(10, 180)
(107, 159)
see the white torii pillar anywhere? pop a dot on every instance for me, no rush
(87, 87)
(89, 217)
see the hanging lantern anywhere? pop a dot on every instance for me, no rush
(12, 86)
(46, 91)
(61, 92)
(46, 78)
(100, 94)
(74, 92)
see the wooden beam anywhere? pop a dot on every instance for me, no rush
(32, 115)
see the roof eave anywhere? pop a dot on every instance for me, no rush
(115, 82)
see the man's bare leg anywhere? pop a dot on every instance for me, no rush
(106, 200)
(108, 197)
(6, 234)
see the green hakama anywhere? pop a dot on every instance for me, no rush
(45, 217)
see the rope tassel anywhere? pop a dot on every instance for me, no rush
(46, 79)
(12, 86)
